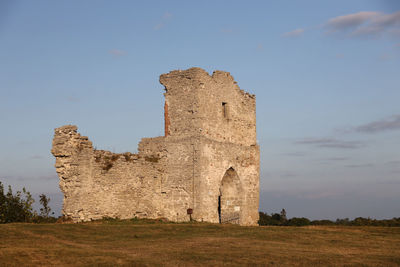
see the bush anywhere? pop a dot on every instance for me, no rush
(298, 222)
(273, 219)
(15, 207)
(18, 207)
(322, 222)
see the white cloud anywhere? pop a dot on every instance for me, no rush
(387, 124)
(73, 99)
(385, 20)
(349, 21)
(294, 33)
(365, 24)
(164, 20)
(365, 165)
(167, 15)
(386, 56)
(395, 33)
(336, 159)
(159, 26)
(319, 195)
(117, 52)
(330, 143)
(227, 30)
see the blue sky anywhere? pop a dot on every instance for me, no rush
(326, 76)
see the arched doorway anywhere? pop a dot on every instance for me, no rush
(230, 198)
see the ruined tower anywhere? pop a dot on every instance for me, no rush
(207, 163)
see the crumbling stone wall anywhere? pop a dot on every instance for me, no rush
(210, 133)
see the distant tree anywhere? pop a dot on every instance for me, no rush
(3, 204)
(360, 221)
(45, 211)
(283, 215)
(273, 219)
(344, 221)
(27, 203)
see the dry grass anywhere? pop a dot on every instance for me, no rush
(127, 243)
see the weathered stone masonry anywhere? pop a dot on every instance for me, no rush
(208, 160)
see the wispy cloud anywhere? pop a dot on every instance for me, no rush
(301, 194)
(294, 154)
(117, 52)
(164, 20)
(359, 165)
(287, 175)
(8, 178)
(395, 32)
(390, 182)
(393, 162)
(386, 56)
(319, 195)
(167, 15)
(47, 177)
(36, 157)
(330, 143)
(227, 30)
(336, 159)
(350, 21)
(295, 33)
(73, 99)
(387, 124)
(364, 24)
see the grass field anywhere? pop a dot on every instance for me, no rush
(144, 244)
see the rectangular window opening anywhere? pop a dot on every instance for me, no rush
(225, 109)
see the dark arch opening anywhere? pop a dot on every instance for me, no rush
(230, 198)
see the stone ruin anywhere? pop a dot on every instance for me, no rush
(205, 168)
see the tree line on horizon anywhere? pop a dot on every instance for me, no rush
(280, 219)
